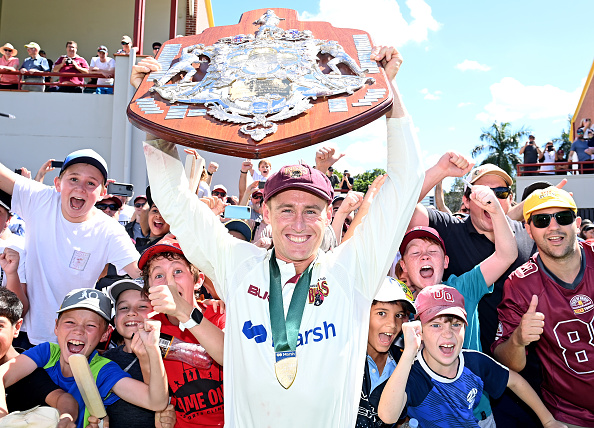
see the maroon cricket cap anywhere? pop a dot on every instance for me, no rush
(300, 177)
(421, 232)
(438, 300)
(168, 244)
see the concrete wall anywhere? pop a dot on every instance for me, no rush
(90, 24)
(580, 185)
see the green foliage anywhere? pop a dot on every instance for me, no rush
(502, 145)
(364, 180)
(453, 198)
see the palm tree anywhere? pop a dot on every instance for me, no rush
(563, 142)
(503, 144)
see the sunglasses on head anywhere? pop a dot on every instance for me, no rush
(103, 207)
(217, 193)
(563, 218)
(500, 192)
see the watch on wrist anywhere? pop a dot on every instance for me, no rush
(195, 319)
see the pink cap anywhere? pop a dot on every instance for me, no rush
(438, 300)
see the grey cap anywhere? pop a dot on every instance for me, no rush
(87, 298)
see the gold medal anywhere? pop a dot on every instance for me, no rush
(285, 368)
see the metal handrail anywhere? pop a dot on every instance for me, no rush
(565, 167)
(52, 73)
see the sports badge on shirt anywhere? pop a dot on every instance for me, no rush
(318, 292)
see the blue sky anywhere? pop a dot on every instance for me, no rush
(466, 63)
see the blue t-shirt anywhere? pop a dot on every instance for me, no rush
(472, 287)
(436, 401)
(578, 146)
(108, 373)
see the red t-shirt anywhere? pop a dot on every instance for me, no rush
(69, 68)
(196, 394)
(566, 347)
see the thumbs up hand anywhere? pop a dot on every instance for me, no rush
(531, 326)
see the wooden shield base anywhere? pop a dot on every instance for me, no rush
(310, 127)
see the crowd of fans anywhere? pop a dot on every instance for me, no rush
(71, 62)
(582, 149)
(127, 292)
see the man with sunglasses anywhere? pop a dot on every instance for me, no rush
(471, 240)
(547, 302)
(219, 191)
(110, 206)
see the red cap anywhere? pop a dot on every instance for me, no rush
(421, 232)
(168, 244)
(438, 300)
(301, 177)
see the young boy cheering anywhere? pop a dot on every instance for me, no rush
(391, 307)
(441, 383)
(82, 323)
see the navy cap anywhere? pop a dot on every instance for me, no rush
(86, 156)
(241, 227)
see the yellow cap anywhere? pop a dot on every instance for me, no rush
(551, 197)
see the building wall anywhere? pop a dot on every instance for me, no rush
(90, 24)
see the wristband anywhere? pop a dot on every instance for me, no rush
(195, 319)
(243, 172)
(209, 173)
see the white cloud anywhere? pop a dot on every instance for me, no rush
(468, 64)
(387, 27)
(464, 104)
(429, 95)
(452, 128)
(511, 100)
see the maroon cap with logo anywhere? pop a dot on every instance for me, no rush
(168, 244)
(421, 232)
(438, 300)
(301, 177)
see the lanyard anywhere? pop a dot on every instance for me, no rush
(285, 332)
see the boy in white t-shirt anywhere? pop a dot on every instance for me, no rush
(68, 241)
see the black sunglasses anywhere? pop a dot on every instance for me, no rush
(500, 192)
(125, 43)
(139, 204)
(257, 197)
(563, 218)
(103, 207)
(217, 193)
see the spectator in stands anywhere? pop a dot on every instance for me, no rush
(219, 191)
(548, 157)
(132, 307)
(110, 205)
(347, 182)
(334, 180)
(392, 306)
(547, 305)
(9, 62)
(10, 244)
(49, 62)
(560, 157)
(470, 241)
(126, 45)
(69, 241)
(158, 227)
(587, 231)
(138, 226)
(531, 154)
(106, 66)
(170, 281)
(156, 47)
(247, 166)
(37, 389)
(34, 64)
(71, 63)
(584, 153)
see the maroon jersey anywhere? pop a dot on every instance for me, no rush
(566, 347)
(197, 393)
